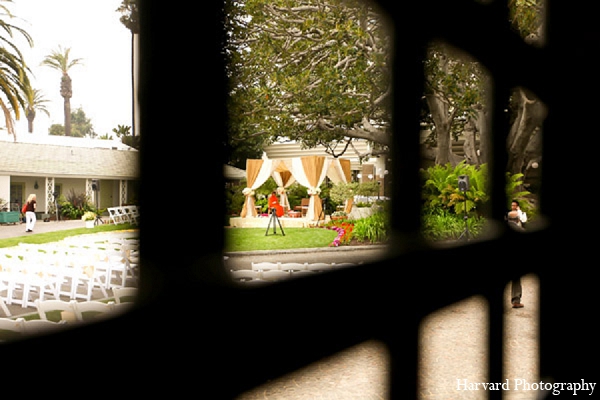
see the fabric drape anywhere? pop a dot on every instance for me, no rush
(283, 178)
(315, 170)
(257, 172)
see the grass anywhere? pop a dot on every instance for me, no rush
(59, 235)
(248, 239)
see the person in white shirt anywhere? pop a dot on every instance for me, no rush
(516, 219)
(515, 215)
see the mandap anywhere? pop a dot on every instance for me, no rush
(308, 171)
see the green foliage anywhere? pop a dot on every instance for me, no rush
(81, 126)
(374, 229)
(74, 205)
(440, 189)
(514, 190)
(446, 225)
(305, 64)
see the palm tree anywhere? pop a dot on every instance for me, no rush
(35, 102)
(14, 77)
(59, 60)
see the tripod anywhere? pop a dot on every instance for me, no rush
(465, 234)
(98, 220)
(274, 218)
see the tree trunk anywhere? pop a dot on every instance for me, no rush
(30, 118)
(530, 116)
(442, 120)
(470, 145)
(67, 108)
(66, 92)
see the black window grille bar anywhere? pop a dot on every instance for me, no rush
(193, 334)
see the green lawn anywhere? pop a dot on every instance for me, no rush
(247, 239)
(59, 235)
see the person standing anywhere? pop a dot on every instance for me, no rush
(515, 215)
(30, 218)
(516, 219)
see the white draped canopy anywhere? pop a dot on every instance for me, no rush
(307, 171)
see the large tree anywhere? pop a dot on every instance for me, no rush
(313, 71)
(59, 60)
(14, 73)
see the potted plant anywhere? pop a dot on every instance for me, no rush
(89, 217)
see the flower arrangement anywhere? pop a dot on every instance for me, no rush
(280, 190)
(248, 192)
(314, 191)
(344, 235)
(88, 216)
(339, 214)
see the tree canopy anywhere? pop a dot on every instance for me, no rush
(316, 72)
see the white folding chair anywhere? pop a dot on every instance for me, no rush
(245, 275)
(264, 266)
(274, 275)
(92, 309)
(301, 273)
(343, 265)
(113, 216)
(10, 329)
(292, 266)
(42, 326)
(318, 267)
(125, 294)
(122, 211)
(58, 309)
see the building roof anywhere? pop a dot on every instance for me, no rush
(79, 159)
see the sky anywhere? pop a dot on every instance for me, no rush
(101, 83)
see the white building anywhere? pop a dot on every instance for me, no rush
(105, 170)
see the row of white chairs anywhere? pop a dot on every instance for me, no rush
(11, 329)
(67, 313)
(83, 311)
(70, 268)
(275, 271)
(296, 266)
(124, 214)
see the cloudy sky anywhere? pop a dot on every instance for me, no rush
(102, 83)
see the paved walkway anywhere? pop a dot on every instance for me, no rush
(453, 345)
(14, 230)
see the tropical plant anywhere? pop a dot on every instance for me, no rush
(14, 78)
(440, 189)
(515, 191)
(35, 102)
(59, 60)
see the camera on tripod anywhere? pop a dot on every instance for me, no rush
(463, 183)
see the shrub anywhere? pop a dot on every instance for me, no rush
(373, 229)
